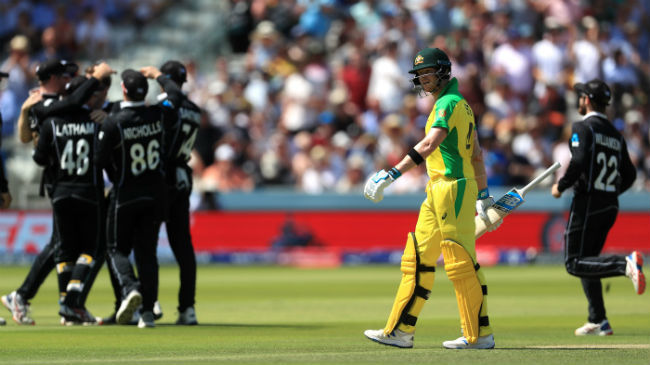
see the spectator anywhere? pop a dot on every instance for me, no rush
(223, 175)
(93, 32)
(510, 60)
(549, 60)
(19, 66)
(586, 53)
(387, 81)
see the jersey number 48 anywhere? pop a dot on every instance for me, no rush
(77, 166)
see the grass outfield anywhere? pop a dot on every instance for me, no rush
(282, 315)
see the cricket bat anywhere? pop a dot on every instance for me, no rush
(509, 202)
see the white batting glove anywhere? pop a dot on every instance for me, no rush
(483, 202)
(374, 189)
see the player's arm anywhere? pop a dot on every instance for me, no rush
(579, 144)
(628, 171)
(77, 98)
(5, 197)
(43, 149)
(479, 164)
(484, 200)
(24, 118)
(107, 139)
(424, 148)
(174, 93)
(374, 189)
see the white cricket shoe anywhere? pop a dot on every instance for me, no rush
(396, 338)
(157, 311)
(633, 271)
(146, 320)
(18, 307)
(483, 342)
(187, 317)
(129, 305)
(595, 329)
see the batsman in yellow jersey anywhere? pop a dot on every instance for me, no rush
(457, 186)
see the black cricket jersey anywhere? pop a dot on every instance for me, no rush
(66, 146)
(4, 186)
(52, 104)
(132, 145)
(180, 139)
(600, 163)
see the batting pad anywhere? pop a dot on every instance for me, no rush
(469, 295)
(413, 291)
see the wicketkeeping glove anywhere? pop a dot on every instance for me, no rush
(484, 201)
(374, 189)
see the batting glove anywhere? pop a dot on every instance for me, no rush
(484, 201)
(374, 189)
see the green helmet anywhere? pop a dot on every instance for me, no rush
(431, 57)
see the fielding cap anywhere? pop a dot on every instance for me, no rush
(597, 91)
(56, 67)
(175, 71)
(135, 83)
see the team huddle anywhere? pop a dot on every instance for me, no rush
(114, 173)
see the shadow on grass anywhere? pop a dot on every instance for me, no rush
(244, 325)
(580, 347)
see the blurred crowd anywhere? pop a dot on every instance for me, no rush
(32, 31)
(315, 94)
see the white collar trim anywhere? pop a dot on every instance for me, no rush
(131, 104)
(594, 114)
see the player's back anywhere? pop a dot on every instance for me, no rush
(607, 156)
(69, 143)
(132, 142)
(182, 135)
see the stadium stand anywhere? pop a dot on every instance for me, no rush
(314, 95)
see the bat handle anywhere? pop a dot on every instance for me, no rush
(539, 178)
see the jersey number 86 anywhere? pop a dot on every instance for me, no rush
(141, 161)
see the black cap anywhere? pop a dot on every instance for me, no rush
(55, 67)
(174, 70)
(136, 84)
(74, 83)
(597, 91)
(71, 68)
(3, 74)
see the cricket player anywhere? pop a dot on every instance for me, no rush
(600, 170)
(131, 146)
(65, 146)
(53, 76)
(446, 221)
(180, 141)
(5, 196)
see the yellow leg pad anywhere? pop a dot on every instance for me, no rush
(426, 282)
(469, 295)
(64, 267)
(484, 328)
(409, 300)
(84, 259)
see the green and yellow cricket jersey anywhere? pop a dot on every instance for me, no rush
(452, 159)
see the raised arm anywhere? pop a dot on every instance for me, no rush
(374, 189)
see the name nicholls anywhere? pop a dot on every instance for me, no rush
(142, 131)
